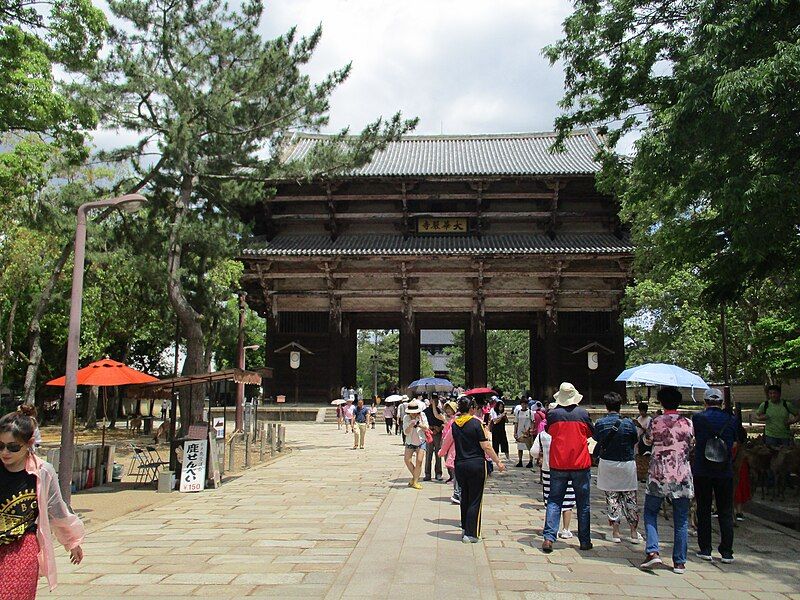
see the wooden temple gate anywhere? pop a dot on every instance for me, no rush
(444, 232)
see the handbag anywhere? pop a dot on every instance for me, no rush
(428, 436)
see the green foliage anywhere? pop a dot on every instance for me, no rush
(225, 345)
(709, 90)
(456, 358)
(712, 90)
(213, 104)
(667, 323)
(508, 358)
(387, 351)
(425, 364)
(70, 35)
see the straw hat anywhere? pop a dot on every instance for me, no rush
(453, 405)
(414, 407)
(567, 395)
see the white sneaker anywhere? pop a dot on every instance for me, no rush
(468, 539)
(637, 538)
(704, 556)
(565, 534)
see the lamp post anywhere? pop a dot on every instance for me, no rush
(375, 366)
(129, 203)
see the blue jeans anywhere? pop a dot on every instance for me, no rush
(558, 487)
(680, 521)
(777, 442)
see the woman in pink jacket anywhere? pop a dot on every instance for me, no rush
(448, 449)
(30, 506)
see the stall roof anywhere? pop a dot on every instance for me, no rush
(236, 375)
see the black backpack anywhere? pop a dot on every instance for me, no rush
(716, 450)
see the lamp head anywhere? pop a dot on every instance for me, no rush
(253, 347)
(130, 203)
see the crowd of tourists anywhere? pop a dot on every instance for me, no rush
(688, 464)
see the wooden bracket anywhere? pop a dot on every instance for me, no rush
(408, 309)
(552, 225)
(406, 220)
(270, 304)
(552, 296)
(334, 298)
(480, 187)
(333, 225)
(479, 307)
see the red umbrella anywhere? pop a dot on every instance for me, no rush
(479, 391)
(106, 373)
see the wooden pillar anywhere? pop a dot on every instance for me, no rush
(409, 354)
(552, 358)
(270, 358)
(476, 354)
(348, 351)
(534, 349)
(336, 344)
(618, 346)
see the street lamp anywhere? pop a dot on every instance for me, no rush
(129, 203)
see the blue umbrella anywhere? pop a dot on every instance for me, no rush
(430, 384)
(662, 374)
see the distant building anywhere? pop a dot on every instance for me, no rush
(435, 342)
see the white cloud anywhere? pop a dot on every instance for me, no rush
(461, 66)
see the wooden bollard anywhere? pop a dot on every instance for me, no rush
(261, 437)
(231, 452)
(273, 441)
(246, 450)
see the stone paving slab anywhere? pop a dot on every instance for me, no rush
(328, 522)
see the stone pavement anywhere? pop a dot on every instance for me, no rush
(327, 522)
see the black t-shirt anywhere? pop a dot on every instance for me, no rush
(18, 507)
(467, 439)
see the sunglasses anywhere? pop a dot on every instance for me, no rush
(12, 447)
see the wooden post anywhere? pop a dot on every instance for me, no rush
(261, 441)
(281, 437)
(477, 355)
(247, 450)
(409, 355)
(273, 442)
(231, 450)
(552, 352)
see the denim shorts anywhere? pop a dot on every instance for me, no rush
(422, 446)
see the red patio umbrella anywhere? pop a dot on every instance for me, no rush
(106, 373)
(479, 391)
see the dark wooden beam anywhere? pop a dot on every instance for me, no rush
(439, 274)
(404, 216)
(433, 293)
(412, 197)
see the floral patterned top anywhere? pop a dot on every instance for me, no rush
(672, 438)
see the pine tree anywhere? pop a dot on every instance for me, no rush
(213, 104)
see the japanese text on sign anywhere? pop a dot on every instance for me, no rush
(193, 473)
(444, 225)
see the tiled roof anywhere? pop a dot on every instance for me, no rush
(393, 244)
(471, 155)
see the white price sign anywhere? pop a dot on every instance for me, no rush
(193, 472)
